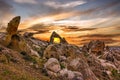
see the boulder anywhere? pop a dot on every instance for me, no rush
(52, 65)
(70, 75)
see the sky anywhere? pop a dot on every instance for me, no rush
(79, 21)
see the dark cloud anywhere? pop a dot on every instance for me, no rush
(5, 8)
(74, 28)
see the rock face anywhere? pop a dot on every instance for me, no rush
(96, 47)
(55, 38)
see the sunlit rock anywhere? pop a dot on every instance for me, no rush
(12, 29)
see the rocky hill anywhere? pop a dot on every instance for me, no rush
(23, 57)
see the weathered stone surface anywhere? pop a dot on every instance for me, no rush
(52, 65)
(70, 75)
(13, 25)
(74, 64)
(97, 47)
(56, 50)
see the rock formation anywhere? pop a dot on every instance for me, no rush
(12, 28)
(55, 38)
(27, 58)
(96, 47)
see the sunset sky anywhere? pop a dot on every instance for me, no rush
(79, 21)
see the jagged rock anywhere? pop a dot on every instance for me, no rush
(52, 65)
(98, 69)
(55, 38)
(96, 47)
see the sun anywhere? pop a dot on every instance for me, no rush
(56, 40)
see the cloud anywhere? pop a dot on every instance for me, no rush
(81, 23)
(103, 10)
(74, 28)
(6, 12)
(26, 1)
(57, 5)
(45, 19)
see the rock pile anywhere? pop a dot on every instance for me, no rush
(70, 60)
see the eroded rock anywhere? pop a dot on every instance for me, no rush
(56, 38)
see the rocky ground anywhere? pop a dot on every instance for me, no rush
(27, 58)
(23, 57)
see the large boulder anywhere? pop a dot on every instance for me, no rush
(52, 65)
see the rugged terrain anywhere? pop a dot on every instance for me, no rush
(23, 57)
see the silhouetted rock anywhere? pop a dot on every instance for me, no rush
(55, 38)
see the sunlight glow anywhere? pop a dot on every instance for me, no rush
(56, 40)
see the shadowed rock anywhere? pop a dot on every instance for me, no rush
(56, 38)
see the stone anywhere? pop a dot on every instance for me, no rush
(52, 52)
(96, 46)
(70, 75)
(67, 74)
(52, 65)
(62, 58)
(74, 64)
